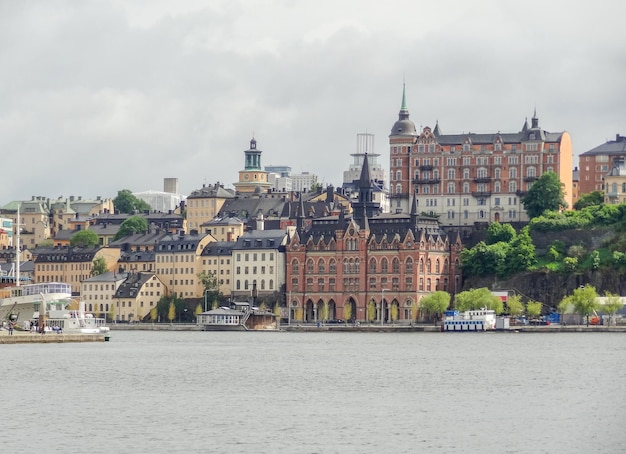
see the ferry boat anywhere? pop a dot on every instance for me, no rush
(74, 322)
(238, 317)
(19, 303)
(475, 320)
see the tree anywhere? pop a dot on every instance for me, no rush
(210, 284)
(591, 199)
(347, 312)
(480, 298)
(171, 312)
(612, 304)
(563, 307)
(585, 301)
(198, 310)
(323, 315)
(84, 238)
(98, 267)
(126, 202)
(153, 314)
(533, 309)
(521, 254)
(435, 304)
(546, 194)
(371, 311)
(497, 232)
(514, 305)
(134, 224)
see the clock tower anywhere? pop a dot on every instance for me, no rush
(252, 176)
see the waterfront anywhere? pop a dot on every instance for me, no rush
(278, 392)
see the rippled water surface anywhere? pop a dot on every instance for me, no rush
(236, 392)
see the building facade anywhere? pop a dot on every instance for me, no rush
(368, 267)
(473, 178)
(593, 165)
(203, 204)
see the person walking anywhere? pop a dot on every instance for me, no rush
(10, 328)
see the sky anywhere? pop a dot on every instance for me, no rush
(99, 96)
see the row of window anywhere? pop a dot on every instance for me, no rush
(255, 256)
(497, 146)
(248, 285)
(255, 270)
(480, 214)
(481, 172)
(375, 265)
(353, 284)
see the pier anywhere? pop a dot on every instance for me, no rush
(22, 337)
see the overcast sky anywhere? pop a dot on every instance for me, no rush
(98, 96)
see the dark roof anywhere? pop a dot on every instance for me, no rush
(66, 254)
(215, 191)
(180, 242)
(107, 277)
(132, 285)
(261, 239)
(219, 248)
(611, 147)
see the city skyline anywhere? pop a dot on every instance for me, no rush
(97, 93)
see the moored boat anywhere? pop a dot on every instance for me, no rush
(475, 320)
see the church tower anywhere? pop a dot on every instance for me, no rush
(252, 178)
(401, 141)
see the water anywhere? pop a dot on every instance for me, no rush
(235, 392)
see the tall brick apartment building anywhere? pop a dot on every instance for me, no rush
(596, 163)
(472, 178)
(368, 266)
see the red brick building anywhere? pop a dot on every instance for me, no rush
(473, 178)
(344, 266)
(596, 163)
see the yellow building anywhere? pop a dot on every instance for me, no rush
(615, 183)
(71, 265)
(137, 296)
(216, 259)
(98, 292)
(224, 228)
(202, 205)
(178, 263)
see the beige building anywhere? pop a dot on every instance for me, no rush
(202, 205)
(178, 263)
(71, 265)
(97, 292)
(224, 228)
(216, 259)
(137, 296)
(615, 183)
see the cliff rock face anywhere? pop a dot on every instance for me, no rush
(550, 288)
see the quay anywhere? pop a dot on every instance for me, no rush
(22, 337)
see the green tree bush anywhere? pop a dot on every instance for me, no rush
(85, 238)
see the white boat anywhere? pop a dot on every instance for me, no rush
(19, 303)
(74, 322)
(476, 320)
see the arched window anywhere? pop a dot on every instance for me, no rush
(395, 265)
(351, 266)
(466, 187)
(450, 188)
(437, 267)
(262, 284)
(372, 265)
(428, 267)
(512, 186)
(398, 175)
(531, 172)
(383, 265)
(398, 188)
(451, 174)
(513, 172)
(271, 284)
(345, 266)
(309, 266)
(496, 173)
(409, 265)
(496, 187)
(357, 266)
(421, 265)
(466, 173)
(332, 266)
(481, 172)
(294, 267)
(321, 266)
(238, 286)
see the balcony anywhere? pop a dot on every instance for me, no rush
(426, 167)
(530, 179)
(520, 193)
(482, 180)
(612, 195)
(426, 180)
(481, 194)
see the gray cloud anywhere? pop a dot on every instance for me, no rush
(101, 96)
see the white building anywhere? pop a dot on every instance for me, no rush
(303, 182)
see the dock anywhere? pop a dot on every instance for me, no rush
(21, 337)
